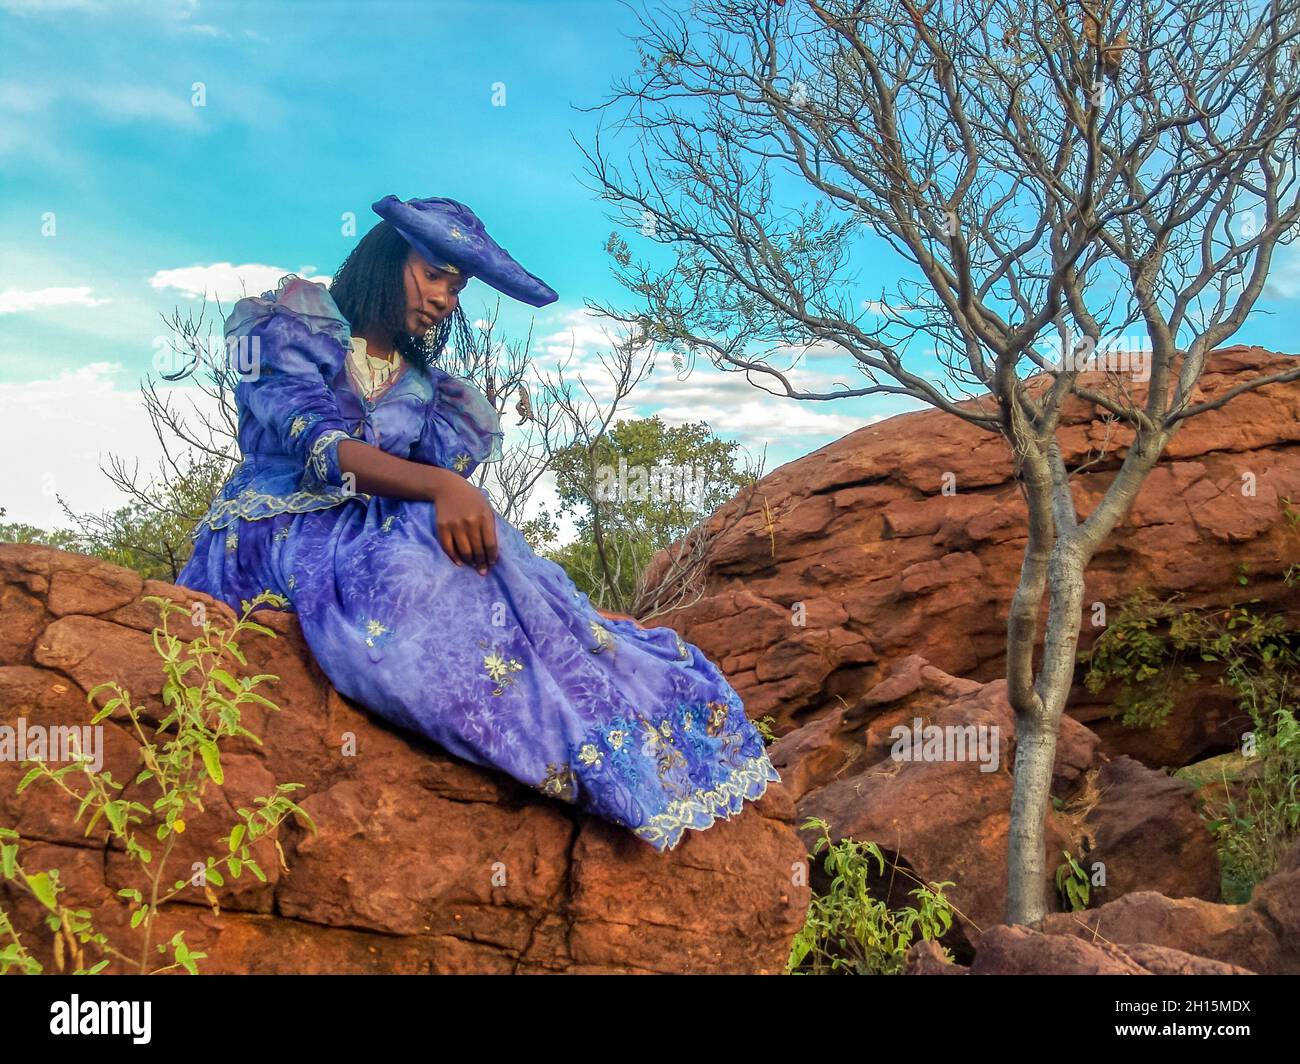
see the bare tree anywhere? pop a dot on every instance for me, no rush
(1052, 176)
(197, 451)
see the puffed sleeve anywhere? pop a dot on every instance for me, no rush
(462, 430)
(290, 347)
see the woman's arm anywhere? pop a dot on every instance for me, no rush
(466, 522)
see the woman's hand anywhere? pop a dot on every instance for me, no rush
(466, 522)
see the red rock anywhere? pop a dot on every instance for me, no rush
(947, 820)
(1261, 936)
(421, 862)
(1007, 950)
(861, 533)
(1146, 830)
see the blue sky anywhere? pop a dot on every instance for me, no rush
(311, 110)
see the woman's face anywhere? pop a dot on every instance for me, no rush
(431, 294)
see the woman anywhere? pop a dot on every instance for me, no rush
(417, 600)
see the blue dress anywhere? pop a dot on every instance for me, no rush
(514, 670)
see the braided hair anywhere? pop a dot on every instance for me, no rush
(369, 290)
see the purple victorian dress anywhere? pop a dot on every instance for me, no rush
(514, 670)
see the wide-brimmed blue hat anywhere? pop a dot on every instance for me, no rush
(451, 237)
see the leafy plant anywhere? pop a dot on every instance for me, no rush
(1072, 883)
(849, 932)
(203, 702)
(1260, 819)
(1258, 657)
(1151, 667)
(619, 532)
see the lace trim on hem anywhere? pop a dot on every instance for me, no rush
(748, 783)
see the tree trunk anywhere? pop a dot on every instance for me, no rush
(1037, 725)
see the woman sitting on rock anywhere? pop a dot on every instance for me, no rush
(417, 599)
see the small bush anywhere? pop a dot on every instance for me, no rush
(203, 701)
(848, 932)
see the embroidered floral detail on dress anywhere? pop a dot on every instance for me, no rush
(376, 632)
(300, 424)
(659, 775)
(658, 745)
(281, 534)
(232, 542)
(461, 461)
(604, 638)
(292, 582)
(499, 667)
(683, 653)
(717, 717)
(390, 522)
(560, 782)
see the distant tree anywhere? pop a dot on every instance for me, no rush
(18, 532)
(635, 490)
(151, 533)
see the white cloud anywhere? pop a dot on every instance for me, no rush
(16, 300)
(1284, 276)
(885, 310)
(147, 103)
(64, 427)
(732, 406)
(226, 281)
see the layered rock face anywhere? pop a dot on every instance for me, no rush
(1146, 933)
(421, 862)
(853, 557)
(942, 809)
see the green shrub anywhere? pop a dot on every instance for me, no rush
(202, 700)
(1258, 656)
(849, 932)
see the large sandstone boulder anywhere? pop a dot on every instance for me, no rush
(422, 863)
(1145, 933)
(886, 565)
(947, 818)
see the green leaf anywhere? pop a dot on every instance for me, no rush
(236, 837)
(234, 685)
(116, 817)
(28, 779)
(212, 761)
(43, 887)
(138, 916)
(107, 711)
